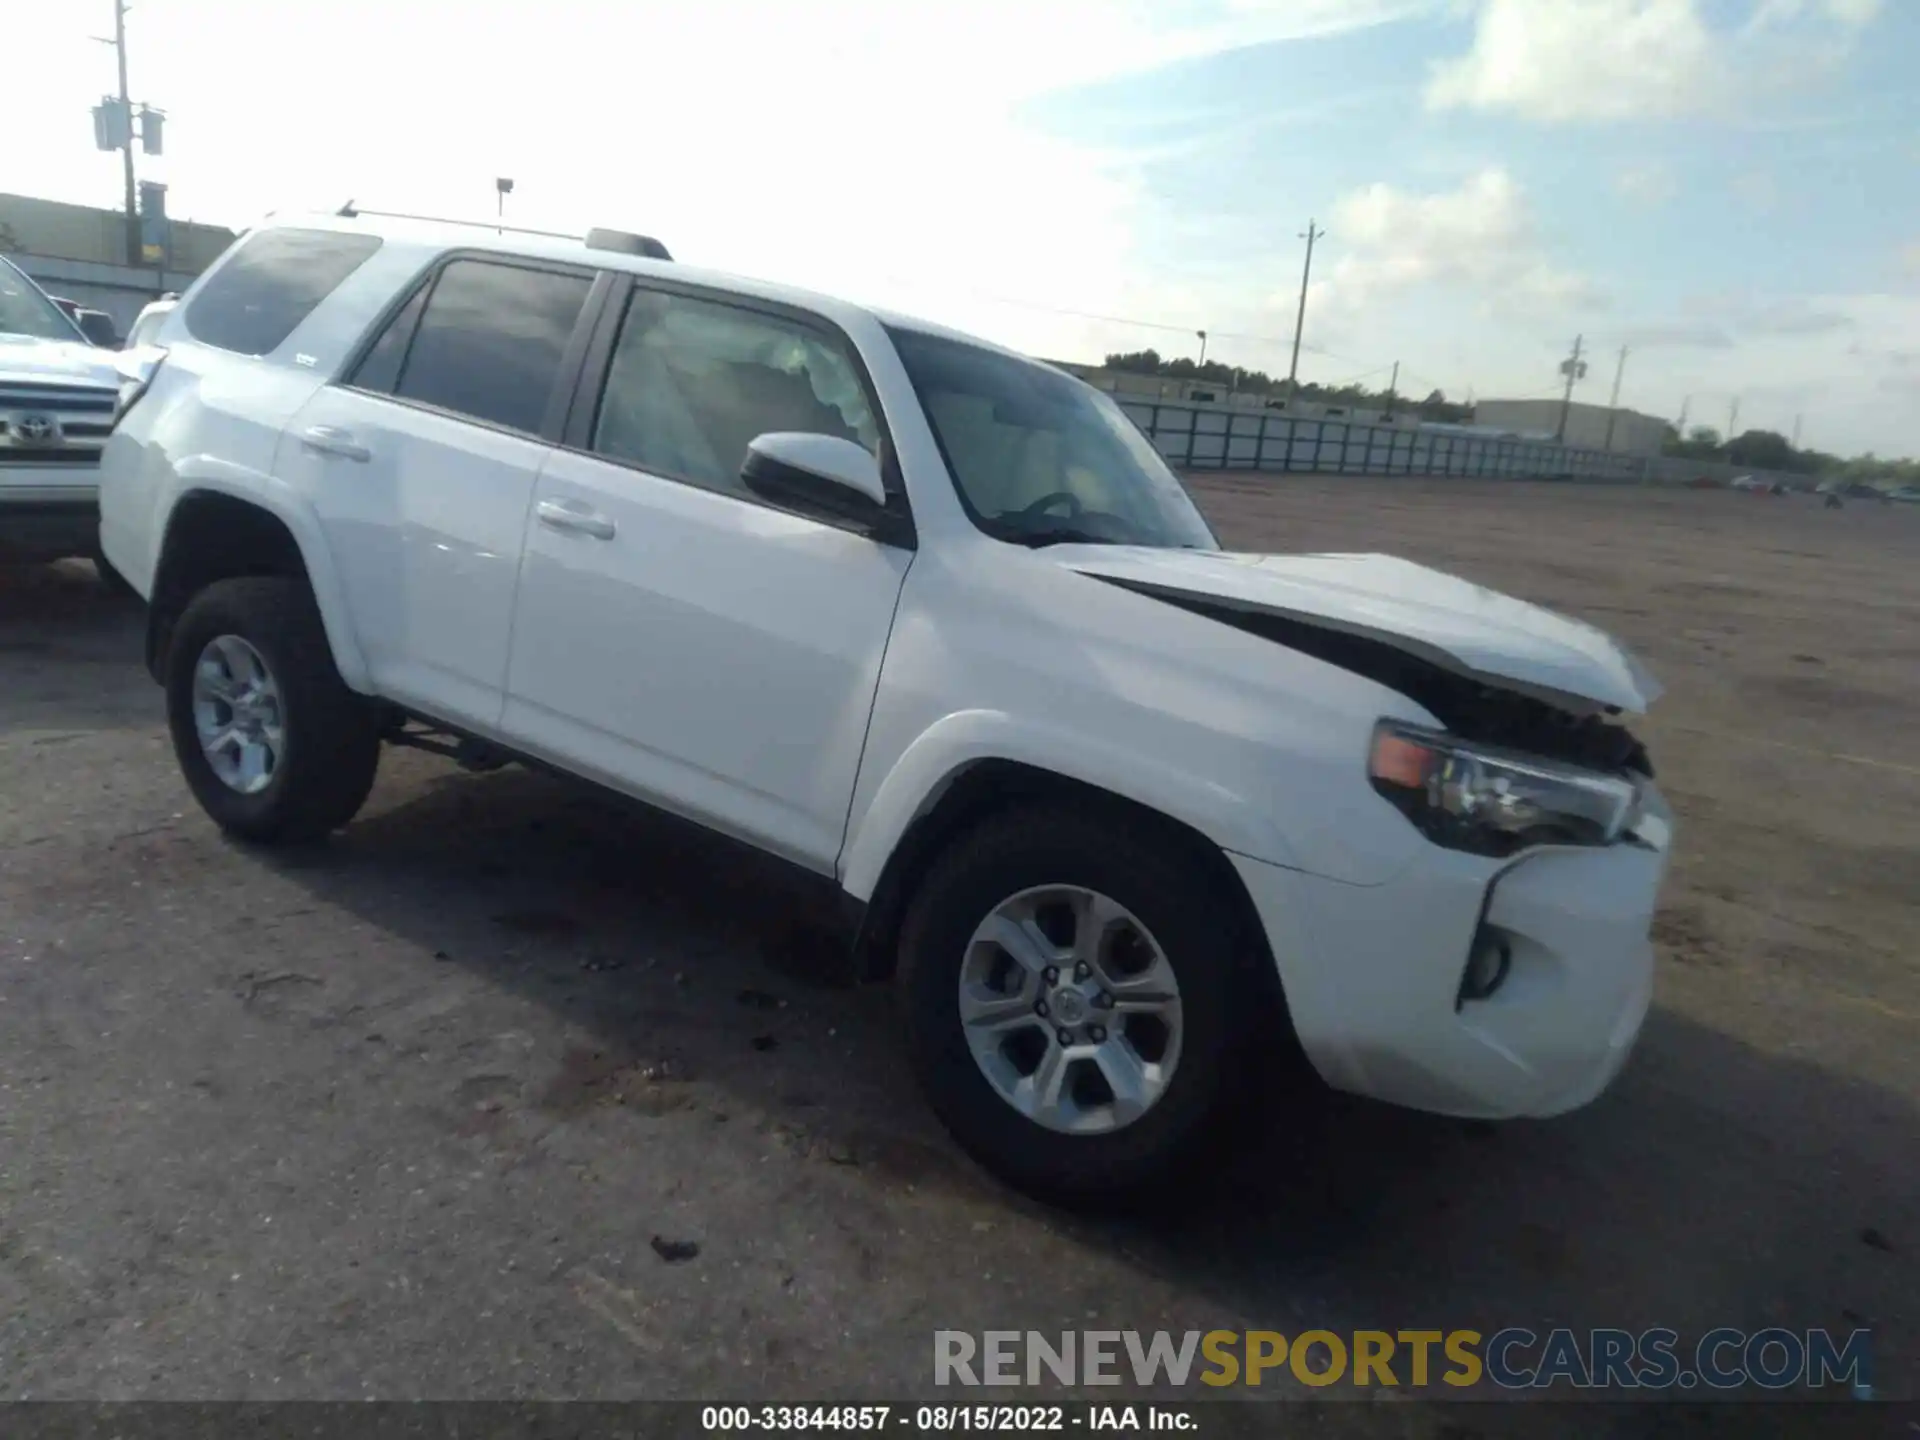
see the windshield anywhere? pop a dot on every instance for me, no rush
(25, 311)
(1041, 459)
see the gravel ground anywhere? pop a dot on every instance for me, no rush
(405, 1115)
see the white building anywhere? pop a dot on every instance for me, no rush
(1589, 427)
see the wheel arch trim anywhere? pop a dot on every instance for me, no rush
(945, 750)
(207, 475)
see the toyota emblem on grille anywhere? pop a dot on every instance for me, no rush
(37, 430)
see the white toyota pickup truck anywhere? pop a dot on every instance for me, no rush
(57, 395)
(928, 620)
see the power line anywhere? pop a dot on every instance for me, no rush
(1363, 375)
(1135, 322)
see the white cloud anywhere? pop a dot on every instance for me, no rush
(1756, 189)
(1584, 60)
(1851, 13)
(1650, 184)
(1602, 60)
(859, 146)
(1479, 238)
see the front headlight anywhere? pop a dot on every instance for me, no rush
(1490, 801)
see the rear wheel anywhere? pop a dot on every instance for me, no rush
(272, 742)
(1075, 1003)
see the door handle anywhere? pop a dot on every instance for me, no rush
(557, 516)
(332, 440)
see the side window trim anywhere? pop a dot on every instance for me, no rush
(575, 358)
(422, 290)
(572, 357)
(583, 411)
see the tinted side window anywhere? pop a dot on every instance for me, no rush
(379, 368)
(271, 284)
(691, 382)
(490, 341)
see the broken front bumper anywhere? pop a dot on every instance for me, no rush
(1373, 974)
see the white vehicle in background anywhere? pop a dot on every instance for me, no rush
(928, 620)
(146, 325)
(57, 398)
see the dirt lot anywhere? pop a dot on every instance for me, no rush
(402, 1116)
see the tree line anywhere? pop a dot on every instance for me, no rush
(1770, 450)
(1435, 407)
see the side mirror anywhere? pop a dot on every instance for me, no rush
(816, 474)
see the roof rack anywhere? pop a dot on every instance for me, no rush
(624, 242)
(350, 211)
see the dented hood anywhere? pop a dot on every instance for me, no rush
(1458, 625)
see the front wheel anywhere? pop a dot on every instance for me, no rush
(1075, 1003)
(273, 744)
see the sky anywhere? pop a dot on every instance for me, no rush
(1730, 189)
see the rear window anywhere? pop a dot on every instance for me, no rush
(272, 283)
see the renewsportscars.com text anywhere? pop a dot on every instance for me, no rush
(1512, 1358)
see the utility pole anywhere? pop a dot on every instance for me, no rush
(1733, 418)
(1613, 405)
(135, 252)
(1574, 368)
(1796, 430)
(114, 126)
(1300, 316)
(1393, 388)
(1685, 406)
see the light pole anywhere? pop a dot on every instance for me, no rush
(502, 188)
(1203, 348)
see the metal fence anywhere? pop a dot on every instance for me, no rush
(1195, 437)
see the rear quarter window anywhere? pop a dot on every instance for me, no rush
(273, 282)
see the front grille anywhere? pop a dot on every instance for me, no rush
(47, 424)
(49, 454)
(56, 399)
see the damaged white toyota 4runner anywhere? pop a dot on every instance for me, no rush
(922, 617)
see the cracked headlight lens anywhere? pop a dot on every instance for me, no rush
(1489, 801)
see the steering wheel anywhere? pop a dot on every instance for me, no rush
(1053, 497)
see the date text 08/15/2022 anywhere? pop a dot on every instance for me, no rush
(945, 1419)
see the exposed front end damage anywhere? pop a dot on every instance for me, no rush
(1471, 708)
(1500, 974)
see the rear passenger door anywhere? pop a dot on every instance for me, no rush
(676, 636)
(421, 465)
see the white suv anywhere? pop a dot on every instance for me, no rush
(57, 396)
(921, 616)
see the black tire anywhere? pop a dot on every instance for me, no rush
(1186, 911)
(332, 737)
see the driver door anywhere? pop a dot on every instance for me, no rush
(675, 636)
